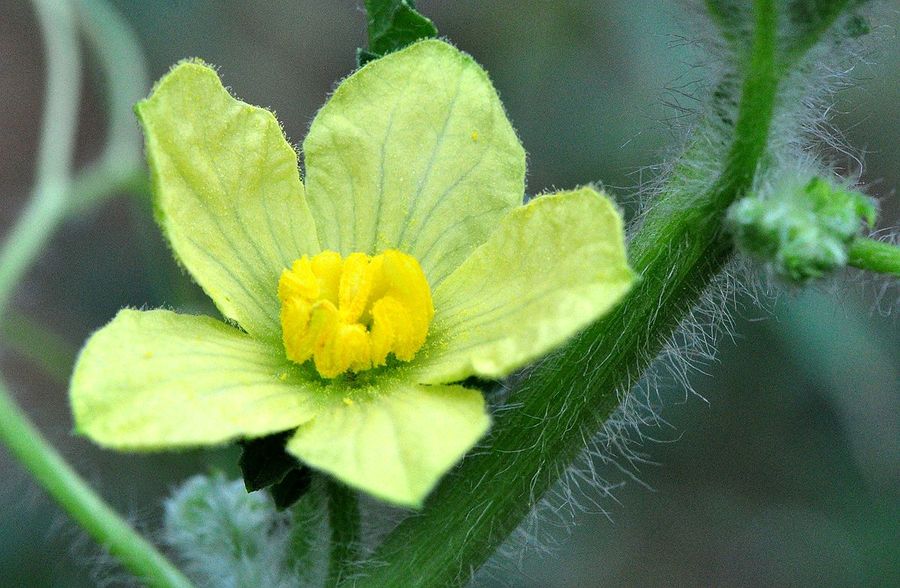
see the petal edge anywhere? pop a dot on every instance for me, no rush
(227, 193)
(552, 267)
(155, 379)
(394, 444)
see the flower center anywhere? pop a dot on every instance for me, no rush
(348, 314)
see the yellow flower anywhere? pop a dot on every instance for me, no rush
(406, 264)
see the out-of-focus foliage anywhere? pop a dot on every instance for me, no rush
(233, 539)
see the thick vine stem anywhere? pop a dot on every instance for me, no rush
(874, 256)
(678, 250)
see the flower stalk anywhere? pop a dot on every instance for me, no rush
(874, 256)
(678, 250)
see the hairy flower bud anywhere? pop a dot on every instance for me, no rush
(802, 231)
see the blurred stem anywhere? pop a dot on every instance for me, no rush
(677, 251)
(44, 212)
(120, 167)
(46, 207)
(72, 493)
(343, 518)
(875, 256)
(54, 355)
(101, 180)
(125, 76)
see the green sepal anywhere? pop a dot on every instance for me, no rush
(264, 462)
(293, 487)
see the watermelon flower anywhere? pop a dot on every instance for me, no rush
(355, 304)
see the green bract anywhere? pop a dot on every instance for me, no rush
(413, 152)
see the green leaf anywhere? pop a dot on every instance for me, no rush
(292, 488)
(264, 461)
(394, 442)
(553, 267)
(393, 24)
(228, 193)
(413, 152)
(155, 379)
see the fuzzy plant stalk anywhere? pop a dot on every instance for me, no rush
(875, 256)
(679, 247)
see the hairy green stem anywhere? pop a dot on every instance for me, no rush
(72, 493)
(875, 256)
(678, 250)
(343, 518)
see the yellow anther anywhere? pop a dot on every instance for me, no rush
(300, 282)
(349, 314)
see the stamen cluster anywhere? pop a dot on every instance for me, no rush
(349, 314)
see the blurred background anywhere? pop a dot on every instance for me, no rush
(782, 469)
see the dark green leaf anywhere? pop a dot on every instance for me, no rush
(363, 57)
(393, 24)
(264, 461)
(294, 485)
(733, 17)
